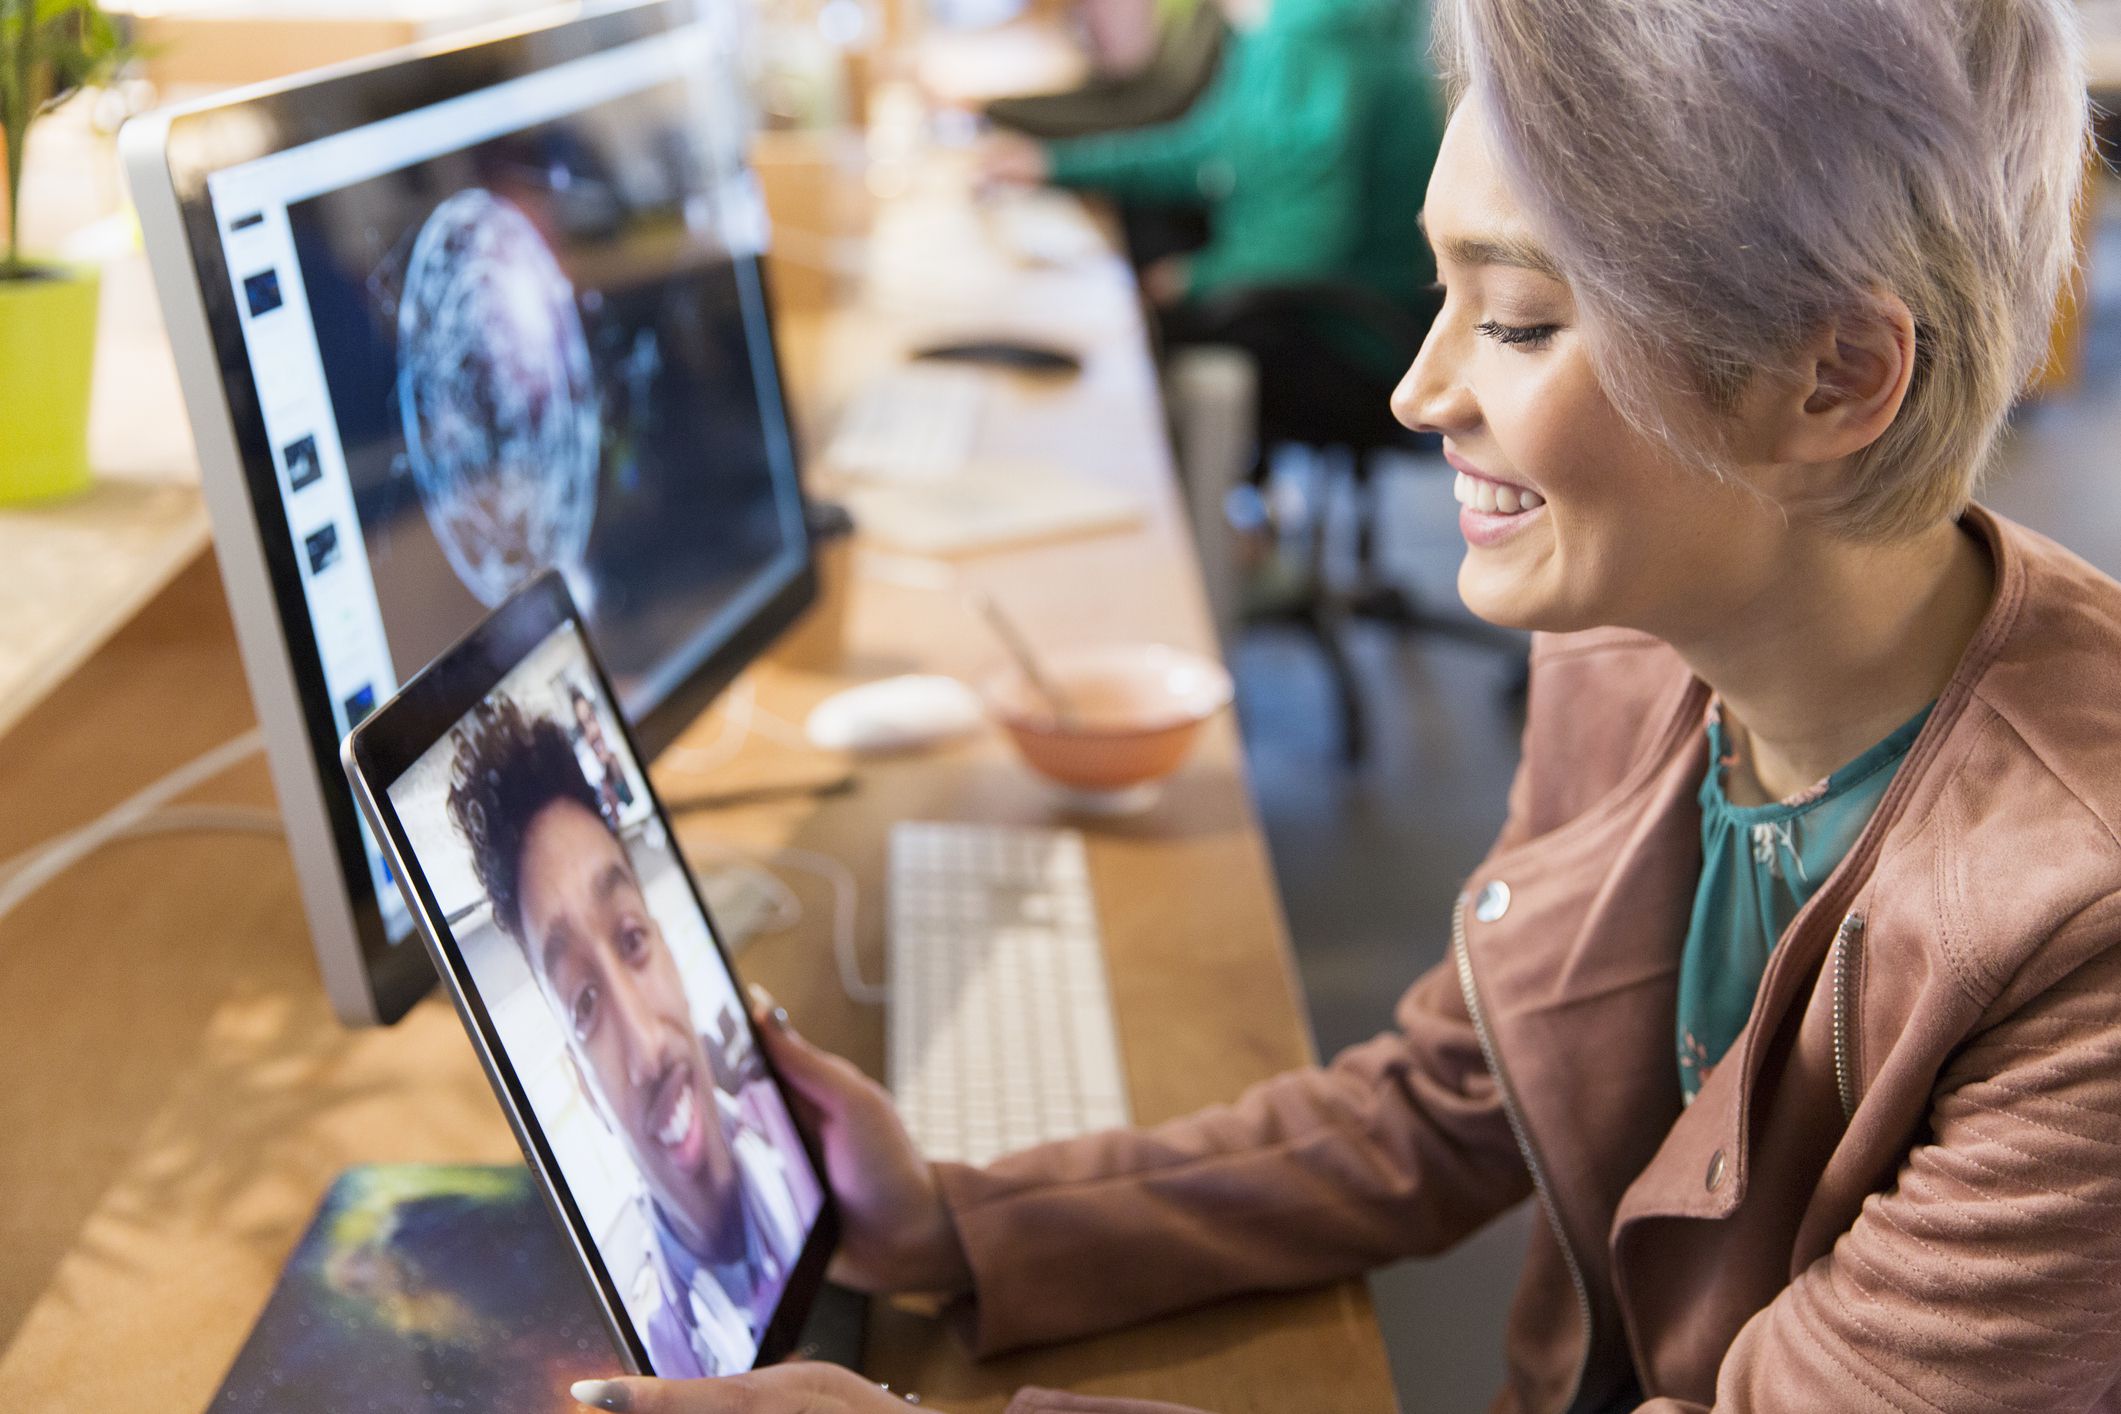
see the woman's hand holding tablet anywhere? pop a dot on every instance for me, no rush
(895, 1233)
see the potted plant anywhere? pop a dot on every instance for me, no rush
(48, 49)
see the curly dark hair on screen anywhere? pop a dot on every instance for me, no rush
(507, 769)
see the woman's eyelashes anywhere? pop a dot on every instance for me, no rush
(1522, 336)
(1530, 337)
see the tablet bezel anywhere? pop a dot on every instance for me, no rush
(381, 750)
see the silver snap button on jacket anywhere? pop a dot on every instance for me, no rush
(1494, 901)
(1714, 1179)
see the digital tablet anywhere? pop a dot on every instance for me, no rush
(544, 876)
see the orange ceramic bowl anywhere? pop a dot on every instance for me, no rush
(1137, 709)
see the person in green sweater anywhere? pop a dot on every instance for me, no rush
(1310, 152)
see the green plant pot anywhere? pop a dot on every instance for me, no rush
(47, 357)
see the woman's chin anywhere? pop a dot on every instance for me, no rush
(1500, 595)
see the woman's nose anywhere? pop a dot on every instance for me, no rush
(1431, 397)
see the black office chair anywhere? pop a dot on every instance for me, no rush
(1328, 355)
(1189, 51)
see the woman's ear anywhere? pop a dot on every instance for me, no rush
(1848, 385)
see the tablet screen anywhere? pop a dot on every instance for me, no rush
(580, 932)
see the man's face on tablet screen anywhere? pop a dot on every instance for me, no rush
(610, 977)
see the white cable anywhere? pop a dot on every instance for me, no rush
(32, 870)
(767, 722)
(787, 909)
(737, 713)
(208, 819)
(178, 819)
(743, 716)
(846, 894)
(846, 900)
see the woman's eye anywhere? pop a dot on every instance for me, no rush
(585, 1012)
(633, 941)
(1527, 336)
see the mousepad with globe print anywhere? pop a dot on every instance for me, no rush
(424, 1287)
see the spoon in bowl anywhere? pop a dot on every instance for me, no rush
(1019, 648)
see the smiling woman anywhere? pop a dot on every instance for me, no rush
(1788, 991)
(1727, 180)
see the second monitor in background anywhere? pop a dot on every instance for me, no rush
(449, 318)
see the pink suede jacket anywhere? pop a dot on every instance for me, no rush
(1901, 1190)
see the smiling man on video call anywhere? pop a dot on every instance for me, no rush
(724, 1221)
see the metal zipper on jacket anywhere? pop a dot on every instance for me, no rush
(1462, 955)
(1848, 943)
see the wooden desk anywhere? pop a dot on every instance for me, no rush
(179, 1096)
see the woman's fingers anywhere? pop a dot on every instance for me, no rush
(800, 1388)
(735, 1394)
(823, 1079)
(640, 1396)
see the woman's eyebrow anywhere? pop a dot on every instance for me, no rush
(1493, 250)
(1500, 251)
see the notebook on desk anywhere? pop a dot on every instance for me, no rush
(424, 1287)
(988, 506)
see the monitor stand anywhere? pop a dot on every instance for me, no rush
(444, 1287)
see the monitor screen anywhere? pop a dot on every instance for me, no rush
(501, 309)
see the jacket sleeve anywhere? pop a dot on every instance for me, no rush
(1285, 121)
(1298, 141)
(1987, 1275)
(1170, 162)
(1400, 1147)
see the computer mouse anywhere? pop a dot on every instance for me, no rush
(1005, 353)
(896, 714)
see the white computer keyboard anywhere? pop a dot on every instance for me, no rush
(915, 423)
(1001, 1032)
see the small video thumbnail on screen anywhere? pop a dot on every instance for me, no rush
(571, 909)
(304, 466)
(261, 292)
(322, 547)
(541, 351)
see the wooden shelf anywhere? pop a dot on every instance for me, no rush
(76, 571)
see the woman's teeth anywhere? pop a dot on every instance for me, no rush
(679, 1124)
(1486, 496)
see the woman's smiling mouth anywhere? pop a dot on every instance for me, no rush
(1490, 511)
(1493, 497)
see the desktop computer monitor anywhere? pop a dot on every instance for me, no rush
(447, 318)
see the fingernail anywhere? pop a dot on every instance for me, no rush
(601, 1394)
(775, 1012)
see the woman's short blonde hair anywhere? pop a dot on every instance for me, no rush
(1719, 179)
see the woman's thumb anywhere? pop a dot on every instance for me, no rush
(641, 1396)
(801, 1064)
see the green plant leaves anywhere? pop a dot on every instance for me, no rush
(49, 49)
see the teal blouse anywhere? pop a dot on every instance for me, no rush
(1759, 864)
